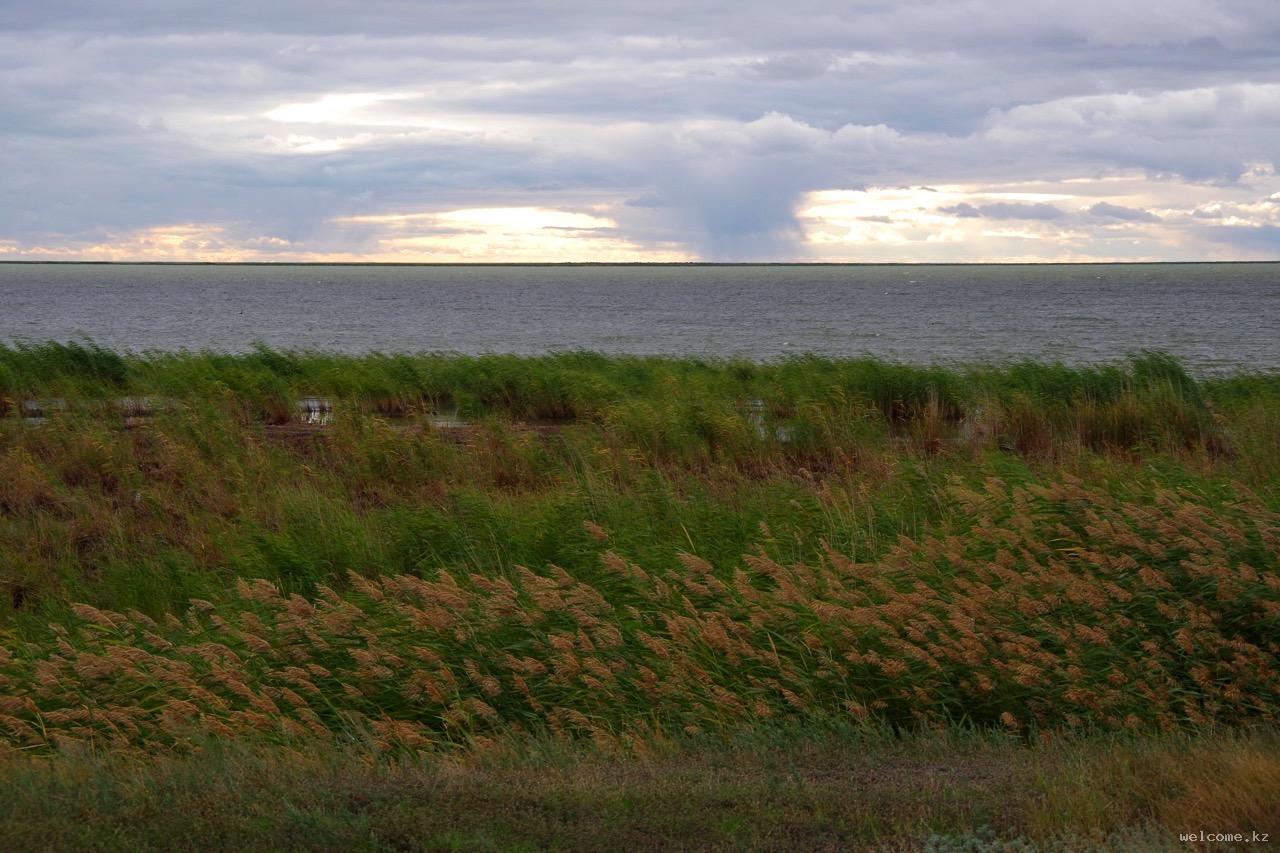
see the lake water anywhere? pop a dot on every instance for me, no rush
(1214, 316)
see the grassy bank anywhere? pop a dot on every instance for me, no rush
(584, 385)
(623, 552)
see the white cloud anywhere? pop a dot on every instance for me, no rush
(337, 108)
(1240, 104)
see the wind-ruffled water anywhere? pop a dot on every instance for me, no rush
(1212, 316)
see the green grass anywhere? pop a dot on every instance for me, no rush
(665, 453)
(583, 384)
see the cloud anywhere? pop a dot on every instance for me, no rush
(1206, 133)
(1106, 210)
(695, 133)
(928, 223)
(1261, 242)
(1237, 104)
(792, 66)
(731, 189)
(1004, 210)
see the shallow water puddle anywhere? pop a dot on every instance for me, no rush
(142, 407)
(320, 411)
(447, 420)
(309, 411)
(754, 409)
(38, 411)
(401, 415)
(42, 409)
(315, 411)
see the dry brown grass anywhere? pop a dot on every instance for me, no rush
(773, 789)
(1041, 608)
(1229, 785)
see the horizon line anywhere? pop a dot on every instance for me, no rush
(32, 262)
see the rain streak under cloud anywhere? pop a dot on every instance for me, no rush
(627, 131)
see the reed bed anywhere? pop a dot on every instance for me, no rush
(582, 385)
(1032, 608)
(436, 562)
(613, 547)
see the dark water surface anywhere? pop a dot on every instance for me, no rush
(1214, 316)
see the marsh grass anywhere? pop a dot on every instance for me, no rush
(579, 385)
(633, 553)
(1036, 607)
(641, 602)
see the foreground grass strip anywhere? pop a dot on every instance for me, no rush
(778, 789)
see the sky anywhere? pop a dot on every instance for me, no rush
(662, 130)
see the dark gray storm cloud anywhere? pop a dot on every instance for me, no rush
(289, 128)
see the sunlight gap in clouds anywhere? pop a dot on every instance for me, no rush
(1110, 217)
(175, 242)
(332, 109)
(1115, 217)
(510, 234)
